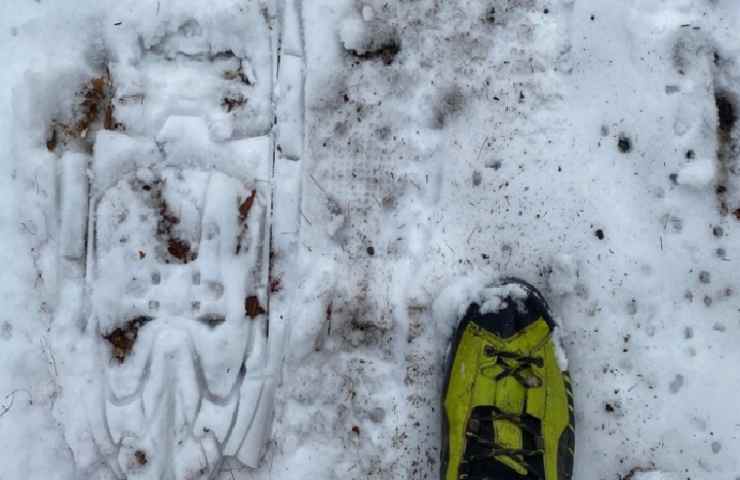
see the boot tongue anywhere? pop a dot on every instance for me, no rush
(510, 399)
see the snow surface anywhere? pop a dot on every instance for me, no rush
(582, 145)
(653, 475)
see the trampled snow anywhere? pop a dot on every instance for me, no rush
(416, 151)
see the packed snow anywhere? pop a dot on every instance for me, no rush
(397, 158)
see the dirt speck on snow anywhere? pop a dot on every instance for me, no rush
(489, 16)
(246, 206)
(635, 470)
(624, 143)
(212, 320)
(386, 52)
(252, 307)
(178, 249)
(123, 338)
(52, 139)
(727, 120)
(94, 95)
(140, 457)
(232, 103)
(726, 111)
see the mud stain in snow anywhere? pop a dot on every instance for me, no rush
(727, 149)
(178, 250)
(252, 307)
(244, 208)
(123, 338)
(386, 53)
(94, 110)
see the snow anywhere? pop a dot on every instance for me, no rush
(422, 151)
(560, 355)
(354, 34)
(699, 174)
(653, 475)
(494, 299)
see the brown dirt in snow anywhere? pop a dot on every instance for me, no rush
(252, 307)
(244, 208)
(95, 110)
(141, 457)
(123, 338)
(727, 121)
(179, 250)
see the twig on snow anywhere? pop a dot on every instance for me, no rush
(10, 399)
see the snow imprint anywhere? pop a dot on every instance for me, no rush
(223, 212)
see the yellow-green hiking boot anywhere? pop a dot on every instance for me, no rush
(508, 406)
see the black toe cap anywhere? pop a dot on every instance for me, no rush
(512, 318)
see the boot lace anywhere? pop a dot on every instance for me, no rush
(519, 367)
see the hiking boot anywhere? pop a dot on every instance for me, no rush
(508, 404)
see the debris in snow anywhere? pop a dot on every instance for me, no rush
(123, 338)
(178, 249)
(212, 320)
(246, 206)
(252, 307)
(369, 39)
(489, 16)
(53, 139)
(578, 75)
(386, 52)
(614, 408)
(726, 112)
(232, 103)
(141, 458)
(94, 107)
(624, 143)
